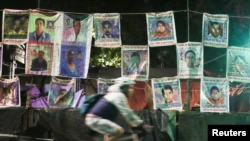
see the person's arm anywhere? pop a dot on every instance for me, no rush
(46, 65)
(120, 101)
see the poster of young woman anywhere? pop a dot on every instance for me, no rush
(61, 94)
(15, 26)
(161, 29)
(135, 62)
(107, 27)
(167, 93)
(10, 92)
(214, 95)
(215, 30)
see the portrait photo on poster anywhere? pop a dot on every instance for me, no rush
(16, 26)
(75, 28)
(135, 62)
(72, 62)
(167, 95)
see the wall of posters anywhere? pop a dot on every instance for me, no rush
(108, 30)
(214, 95)
(161, 29)
(215, 30)
(190, 60)
(135, 62)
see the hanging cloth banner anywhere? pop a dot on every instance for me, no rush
(190, 60)
(214, 95)
(161, 29)
(107, 28)
(167, 93)
(61, 94)
(135, 62)
(10, 92)
(45, 30)
(15, 26)
(103, 85)
(215, 30)
(76, 45)
(238, 68)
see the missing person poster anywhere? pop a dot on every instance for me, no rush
(15, 26)
(135, 62)
(167, 93)
(62, 93)
(215, 30)
(161, 29)
(238, 68)
(108, 30)
(10, 92)
(103, 85)
(190, 60)
(214, 95)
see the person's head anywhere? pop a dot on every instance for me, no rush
(215, 93)
(161, 26)
(71, 55)
(34, 53)
(77, 26)
(239, 62)
(135, 59)
(68, 21)
(17, 24)
(107, 27)
(167, 93)
(126, 86)
(39, 25)
(190, 58)
(40, 54)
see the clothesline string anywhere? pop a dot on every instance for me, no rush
(248, 17)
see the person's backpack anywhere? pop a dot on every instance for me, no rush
(89, 102)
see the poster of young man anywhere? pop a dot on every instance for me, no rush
(167, 93)
(44, 27)
(15, 26)
(215, 30)
(107, 27)
(73, 61)
(238, 68)
(39, 59)
(61, 94)
(135, 62)
(10, 92)
(161, 29)
(103, 85)
(190, 60)
(214, 95)
(77, 29)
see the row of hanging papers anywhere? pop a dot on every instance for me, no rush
(166, 94)
(59, 44)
